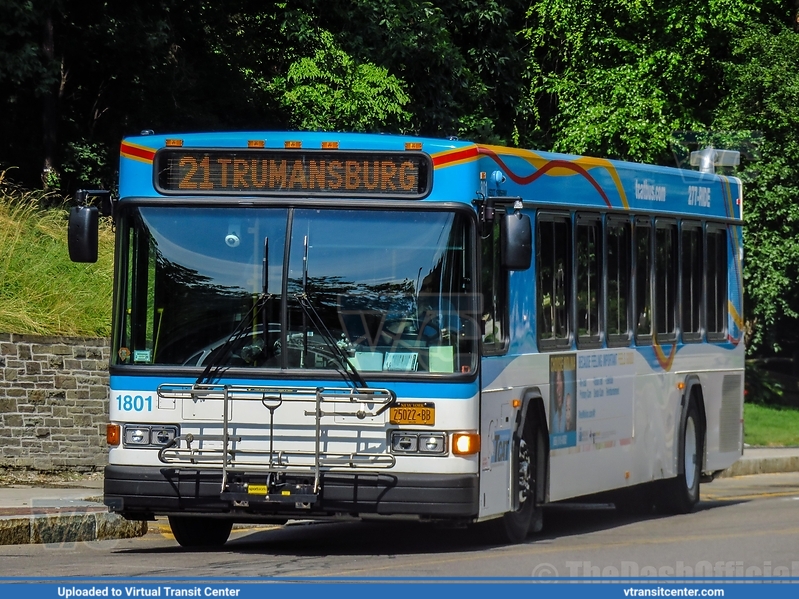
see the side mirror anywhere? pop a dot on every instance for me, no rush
(82, 233)
(517, 242)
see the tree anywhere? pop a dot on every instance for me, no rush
(31, 81)
(619, 79)
(330, 91)
(461, 60)
(763, 97)
(117, 68)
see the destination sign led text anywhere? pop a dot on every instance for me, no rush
(396, 174)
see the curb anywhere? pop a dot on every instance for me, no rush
(772, 465)
(60, 527)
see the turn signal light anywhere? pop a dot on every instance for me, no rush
(465, 443)
(112, 434)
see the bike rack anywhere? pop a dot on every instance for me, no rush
(188, 449)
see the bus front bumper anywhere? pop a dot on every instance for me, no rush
(143, 492)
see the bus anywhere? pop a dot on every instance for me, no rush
(328, 326)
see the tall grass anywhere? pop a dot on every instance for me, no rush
(41, 290)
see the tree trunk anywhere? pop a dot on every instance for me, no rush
(49, 110)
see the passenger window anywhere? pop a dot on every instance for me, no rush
(554, 279)
(589, 279)
(716, 265)
(691, 281)
(666, 280)
(619, 267)
(643, 281)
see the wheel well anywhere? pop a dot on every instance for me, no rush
(533, 410)
(694, 392)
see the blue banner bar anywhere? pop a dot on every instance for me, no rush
(35, 588)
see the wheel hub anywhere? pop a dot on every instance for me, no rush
(690, 453)
(524, 473)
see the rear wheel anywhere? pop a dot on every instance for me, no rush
(195, 531)
(513, 527)
(682, 492)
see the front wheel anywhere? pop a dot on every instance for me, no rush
(682, 492)
(195, 531)
(513, 527)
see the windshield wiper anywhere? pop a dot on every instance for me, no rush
(351, 373)
(216, 363)
(309, 313)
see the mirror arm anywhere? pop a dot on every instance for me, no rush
(107, 203)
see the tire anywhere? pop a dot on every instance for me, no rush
(195, 531)
(513, 527)
(681, 494)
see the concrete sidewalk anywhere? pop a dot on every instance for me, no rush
(75, 512)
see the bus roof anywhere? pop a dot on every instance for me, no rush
(540, 179)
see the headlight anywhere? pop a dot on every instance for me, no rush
(161, 435)
(148, 435)
(137, 436)
(417, 442)
(431, 443)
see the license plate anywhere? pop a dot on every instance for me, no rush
(413, 413)
(257, 489)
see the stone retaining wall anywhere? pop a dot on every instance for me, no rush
(53, 402)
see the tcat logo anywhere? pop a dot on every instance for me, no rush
(501, 447)
(646, 190)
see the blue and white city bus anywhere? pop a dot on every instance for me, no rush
(328, 325)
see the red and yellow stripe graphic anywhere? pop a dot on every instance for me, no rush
(664, 360)
(137, 152)
(542, 166)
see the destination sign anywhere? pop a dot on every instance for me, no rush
(294, 172)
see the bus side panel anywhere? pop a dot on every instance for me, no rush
(595, 453)
(505, 378)
(724, 437)
(722, 392)
(721, 386)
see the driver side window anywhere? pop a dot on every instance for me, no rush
(494, 281)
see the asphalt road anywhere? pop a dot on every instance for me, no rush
(746, 526)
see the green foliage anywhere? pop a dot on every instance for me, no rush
(86, 161)
(460, 60)
(761, 386)
(22, 63)
(763, 96)
(618, 79)
(329, 91)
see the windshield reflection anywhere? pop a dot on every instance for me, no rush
(201, 286)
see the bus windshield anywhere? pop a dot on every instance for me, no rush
(223, 286)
